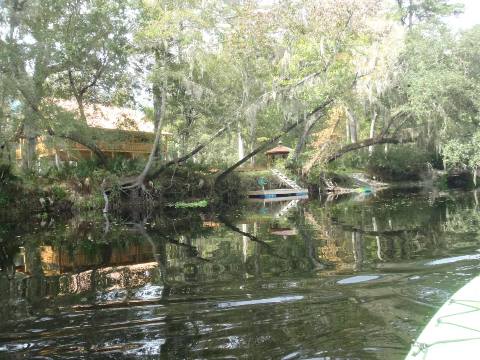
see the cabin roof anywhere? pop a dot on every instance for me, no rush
(280, 149)
(111, 117)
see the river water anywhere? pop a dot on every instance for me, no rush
(356, 277)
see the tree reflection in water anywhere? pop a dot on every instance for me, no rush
(328, 278)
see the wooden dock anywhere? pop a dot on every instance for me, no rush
(279, 194)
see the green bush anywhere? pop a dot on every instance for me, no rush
(58, 192)
(6, 173)
(353, 160)
(73, 170)
(84, 168)
(191, 205)
(125, 167)
(4, 199)
(400, 163)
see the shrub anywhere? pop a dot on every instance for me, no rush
(401, 162)
(58, 192)
(6, 174)
(124, 166)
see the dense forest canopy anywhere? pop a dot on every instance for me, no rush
(228, 79)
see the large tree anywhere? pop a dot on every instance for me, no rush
(60, 49)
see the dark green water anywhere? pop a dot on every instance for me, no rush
(353, 278)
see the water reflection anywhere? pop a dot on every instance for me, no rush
(350, 278)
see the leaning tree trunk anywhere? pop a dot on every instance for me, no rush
(372, 131)
(308, 126)
(241, 147)
(154, 156)
(187, 156)
(158, 112)
(82, 140)
(367, 142)
(352, 126)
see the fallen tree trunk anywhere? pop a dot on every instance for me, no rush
(189, 155)
(365, 143)
(79, 139)
(317, 113)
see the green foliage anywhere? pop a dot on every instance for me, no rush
(74, 170)
(89, 168)
(441, 182)
(125, 167)
(399, 163)
(463, 154)
(92, 202)
(415, 11)
(191, 205)
(249, 180)
(4, 198)
(6, 174)
(58, 192)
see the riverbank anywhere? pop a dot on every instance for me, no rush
(81, 188)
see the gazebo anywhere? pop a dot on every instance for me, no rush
(278, 152)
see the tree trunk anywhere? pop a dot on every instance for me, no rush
(357, 247)
(155, 151)
(185, 157)
(309, 124)
(372, 131)
(352, 126)
(158, 103)
(410, 14)
(317, 113)
(252, 142)
(82, 140)
(347, 129)
(30, 133)
(81, 108)
(241, 147)
(367, 142)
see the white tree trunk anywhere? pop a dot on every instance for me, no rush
(372, 132)
(241, 147)
(352, 125)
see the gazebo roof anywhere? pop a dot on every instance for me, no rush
(280, 149)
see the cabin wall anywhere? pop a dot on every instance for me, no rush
(70, 151)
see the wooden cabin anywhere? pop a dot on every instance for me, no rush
(118, 132)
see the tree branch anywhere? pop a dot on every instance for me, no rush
(365, 143)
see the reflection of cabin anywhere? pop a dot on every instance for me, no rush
(278, 152)
(116, 131)
(57, 261)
